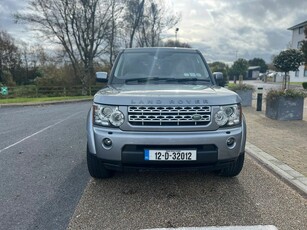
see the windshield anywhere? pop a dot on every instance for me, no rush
(161, 68)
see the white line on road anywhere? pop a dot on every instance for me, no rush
(38, 132)
(258, 227)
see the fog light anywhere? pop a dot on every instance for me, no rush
(231, 142)
(107, 142)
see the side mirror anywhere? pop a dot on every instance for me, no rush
(219, 79)
(101, 76)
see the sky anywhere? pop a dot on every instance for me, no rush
(223, 30)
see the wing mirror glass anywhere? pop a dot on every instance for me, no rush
(218, 76)
(101, 76)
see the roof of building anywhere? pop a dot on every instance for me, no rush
(298, 25)
(254, 68)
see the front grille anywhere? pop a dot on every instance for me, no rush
(169, 115)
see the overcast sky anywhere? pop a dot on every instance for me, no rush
(221, 29)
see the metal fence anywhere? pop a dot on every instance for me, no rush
(32, 91)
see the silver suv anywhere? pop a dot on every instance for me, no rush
(163, 110)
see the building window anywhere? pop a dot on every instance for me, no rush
(305, 72)
(301, 30)
(297, 73)
(299, 44)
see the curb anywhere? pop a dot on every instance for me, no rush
(43, 103)
(294, 178)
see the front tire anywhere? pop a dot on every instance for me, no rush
(96, 168)
(234, 168)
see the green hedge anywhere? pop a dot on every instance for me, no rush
(32, 91)
(304, 85)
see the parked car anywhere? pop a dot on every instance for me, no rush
(163, 110)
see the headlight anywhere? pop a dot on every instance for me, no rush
(228, 115)
(106, 115)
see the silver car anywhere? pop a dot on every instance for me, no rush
(162, 109)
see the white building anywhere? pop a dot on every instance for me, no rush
(297, 38)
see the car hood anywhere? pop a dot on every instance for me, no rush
(166, 95)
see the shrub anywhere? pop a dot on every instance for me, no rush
(272, 94)
(237, 87)
(304, 85)
(24, 91)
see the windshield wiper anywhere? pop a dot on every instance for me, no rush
(183, 80)
(147, 79)
(192, 79)
(167, 79)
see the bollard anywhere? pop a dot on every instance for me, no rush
(259, 98)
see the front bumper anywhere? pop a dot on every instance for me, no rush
(128, 147)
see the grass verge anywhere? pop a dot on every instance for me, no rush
(40, 99)
(296, 83)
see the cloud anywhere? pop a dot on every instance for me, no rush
(20, 32)
(222, 29)
(252, 28)
(7, 10)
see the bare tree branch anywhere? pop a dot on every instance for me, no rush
(157, 19)
(79, 26)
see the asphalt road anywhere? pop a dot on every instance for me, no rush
(190, 199)
(44, 184)
(268, 86)
(42, 165)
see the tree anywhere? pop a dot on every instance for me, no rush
(288, 60)
(238, 68)
(7, 78)
(259, 62)
(114, 24)
(79, 26)
(133, 17)
(172, 43)
(32, 58)
(304, 47)
(156, 19)
(144, 21)
(220, 67)
(9, 56)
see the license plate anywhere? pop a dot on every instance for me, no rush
(170, 155)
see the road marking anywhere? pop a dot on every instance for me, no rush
(38, 132)
(256, 227)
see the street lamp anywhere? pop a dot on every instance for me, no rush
(176, 31)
